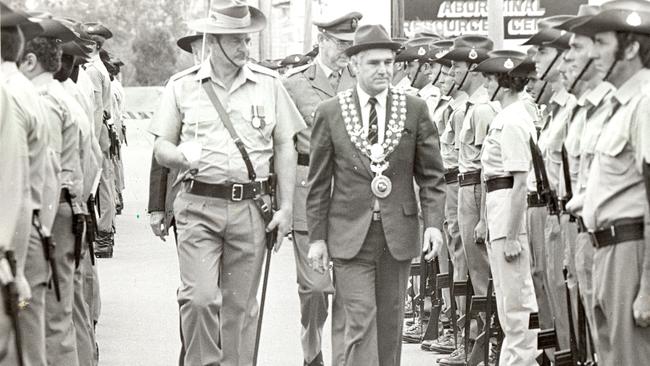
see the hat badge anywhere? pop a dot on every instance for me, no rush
(562, 32)
(421, 51)
(633, 19)
(354, 22)
(441, 53)
(508, 64)
(472, 54)
(296, 59)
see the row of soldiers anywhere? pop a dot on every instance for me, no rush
(586, 200)
(61, 134)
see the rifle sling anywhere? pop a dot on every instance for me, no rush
(264, 209)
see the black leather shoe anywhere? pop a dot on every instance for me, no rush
(317, 361)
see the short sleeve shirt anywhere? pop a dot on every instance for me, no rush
(479, 113)
(451, 123)
(186, 114)
(506, 148)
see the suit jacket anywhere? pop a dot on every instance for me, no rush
(341, 215)
(308, 86)
(162, 191)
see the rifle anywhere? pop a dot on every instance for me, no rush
(438, 282)
(271, 239)
(78, 222)
(544, 189)
(646, 179)
(92, 229)
(10, 294)
(567, 184)
(48, 251)
(126, 142)
(568, 357)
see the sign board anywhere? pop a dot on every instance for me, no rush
(456, 17)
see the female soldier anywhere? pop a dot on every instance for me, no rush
(506, 162)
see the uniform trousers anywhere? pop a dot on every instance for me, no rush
(7, 339)
(569, 235)
(515, 295)
(535, 222)
(313, 290)
(557, 291)
(32, 318)
(83, 324)
(454, 243)
(616, 279)
(106, 196)
(584, 259)
(221, 246)
(469, 213)
(60, 338)
(372, 287)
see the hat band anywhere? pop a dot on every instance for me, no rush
(225, 21)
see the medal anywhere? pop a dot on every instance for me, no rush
(257, 119)
(256, 122)
(381, 186)
(376, 153)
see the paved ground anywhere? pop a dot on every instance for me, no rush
(139, 326)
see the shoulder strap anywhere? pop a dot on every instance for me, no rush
(231, 130)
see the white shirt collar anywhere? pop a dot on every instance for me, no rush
(324, 67)
(364, 97)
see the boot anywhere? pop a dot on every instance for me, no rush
(413, 334)
(457, 358)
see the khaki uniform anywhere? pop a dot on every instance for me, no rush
(476, 116)
(221, 243)
(15, 173)
(551, 140)
(116, 117)
(59, 331)
(308, 86)
(615, 191)
(32, 319)
(506, 150)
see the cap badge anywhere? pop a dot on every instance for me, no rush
(508, 64)
(441, 53)
(562, 32)
(421, 51)
(473, 55)
(354, 22)
(296, 59)
(633, 19)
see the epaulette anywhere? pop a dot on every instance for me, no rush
(297, 70)
(188, 71)
(263, 70)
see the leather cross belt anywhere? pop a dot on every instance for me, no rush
(231, 191)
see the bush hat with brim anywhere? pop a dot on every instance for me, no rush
(584, 13)
(342, 27)
(371, 36)
(54, 28)
(17, 18)
(291, 60)
(72, 48)
(525, 69)
(500, 62)
(234, 19)
(472, 49)
(438, 50)
(619, 15)
(546, 31)
(185, 43)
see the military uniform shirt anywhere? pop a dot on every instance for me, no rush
(451, 125)
(615, 189)
(475, 122)
(102, 97)
(186, 114)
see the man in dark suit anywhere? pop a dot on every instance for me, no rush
(368, 145)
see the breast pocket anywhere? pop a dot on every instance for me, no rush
(255, 122)
(615, 158)
(200, 121)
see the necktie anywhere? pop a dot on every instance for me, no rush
(372, 122)
(334, 80)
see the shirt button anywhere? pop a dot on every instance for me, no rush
(303, 183)
(355, 168)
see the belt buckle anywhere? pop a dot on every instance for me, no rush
(594, 240)
(376, 216)
(237, 193)
(461, 176)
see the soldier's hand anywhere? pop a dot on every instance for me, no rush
(5, 271)
(512, 249)
(24, 291)
(156, 220)
(318, 257)
(641, 309)
(480, 232)
(432, 243)
(281, 220)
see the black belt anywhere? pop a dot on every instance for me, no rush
(451, 175)
(469, 178)
(620, 232)
(65, 197)
(232, 191)
(494, 184)
(536, 200)
(303, 159)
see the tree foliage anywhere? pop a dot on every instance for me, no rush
(144, 32)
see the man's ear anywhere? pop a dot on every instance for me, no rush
(28, 62)
(632, 51)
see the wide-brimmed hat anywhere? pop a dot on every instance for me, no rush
(617, 15)
(53, 28)
(17, 18)
(525, 69)
(234, 17)
(371, 36)
(500, 62)
(472, 49)
(584, 13)
(438, 50)
(415, 49)
(291, 60)
(98, 29)
(548, 33)
(342, 27)
(185, 43)
(72, 48)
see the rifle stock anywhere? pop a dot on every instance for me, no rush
(48, 253)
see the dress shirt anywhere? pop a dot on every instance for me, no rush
(380, 107)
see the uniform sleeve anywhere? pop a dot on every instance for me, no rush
(288, 120)
(71, 173)
(457, 118)
(640, 133)
(481, 117)
(514, 148)
(166, 122)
